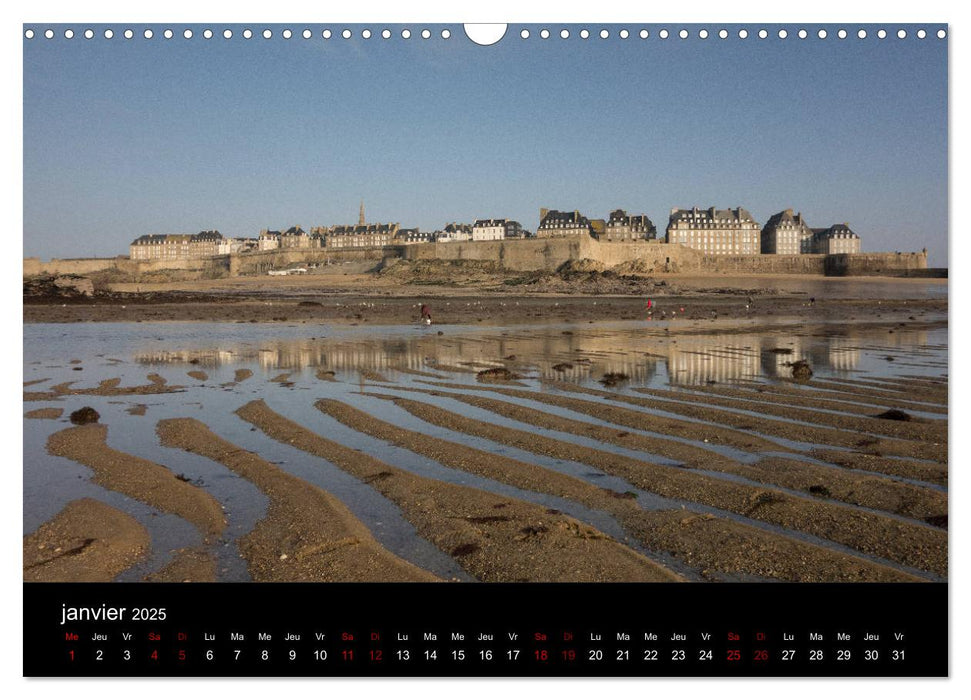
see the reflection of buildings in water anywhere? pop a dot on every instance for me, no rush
(210, 358)
(713, 358)
(777, 364)
(902, 337)
(639, 372)
(690, 359)
(838, 353)
(607, 353)
(378, 356)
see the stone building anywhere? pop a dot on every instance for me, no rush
(561, 224)
(489, 230)
(268, 240)
(715, 231)
(454, 232)
(838, 238)
(361, 236)
(514, 230)
(409, 236)
(786, 233)
(622, 226)
(296, 237)
(205, 244)
(231, 246)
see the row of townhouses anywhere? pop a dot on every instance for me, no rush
(711, 231)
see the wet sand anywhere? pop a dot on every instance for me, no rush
(307, 534)
(192, 564)
(909, 469)
(507, 306)
(108, 387)
(139, 478)
(492, 537)
(809, 397)
(905, 542)
(778, 480)
(87, 541)
(814, 480)
(916, 429)
(700, 411)
(45, 413)
(780, 556)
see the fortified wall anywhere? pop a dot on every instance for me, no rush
(656, 257)
(261, 262)
(516, 255)
(898, 264)
(644, 257)
(195, 268)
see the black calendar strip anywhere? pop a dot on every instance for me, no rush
(484, 629)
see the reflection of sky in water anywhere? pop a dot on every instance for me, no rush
(649, 354)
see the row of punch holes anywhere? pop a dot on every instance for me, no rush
(524, 34)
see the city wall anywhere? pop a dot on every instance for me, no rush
(899, 264)
(656, 257)
(259, 263)
(644, 257)
(125, 267)
(516, 255)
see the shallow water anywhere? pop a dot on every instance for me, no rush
(655, 354)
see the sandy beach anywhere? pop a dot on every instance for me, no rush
(323, 435)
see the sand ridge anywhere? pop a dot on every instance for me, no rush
(86, 541)
(307, 534)
(495, 538)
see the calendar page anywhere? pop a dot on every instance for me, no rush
(564, 349)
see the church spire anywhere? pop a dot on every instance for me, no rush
(360, 219)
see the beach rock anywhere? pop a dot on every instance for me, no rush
(85, 415)
(801, 370)
(78, 285)
(894, 414)
(497, 373)
(582, 265)
(613, 378)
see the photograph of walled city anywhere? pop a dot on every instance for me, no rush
(347, 307)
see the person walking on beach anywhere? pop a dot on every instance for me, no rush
(426, 315)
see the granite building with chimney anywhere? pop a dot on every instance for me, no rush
(562, 224)
(361, 236)
(715, 231)
(205, 244)
(410, 236)
(786, 233)
(838, 238)
(622, 226)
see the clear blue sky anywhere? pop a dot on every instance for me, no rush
(128, 137)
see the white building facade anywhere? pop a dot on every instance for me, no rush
(489, 230)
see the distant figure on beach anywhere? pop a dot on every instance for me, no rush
(426, 315)
(812, 301)
(649, 304)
